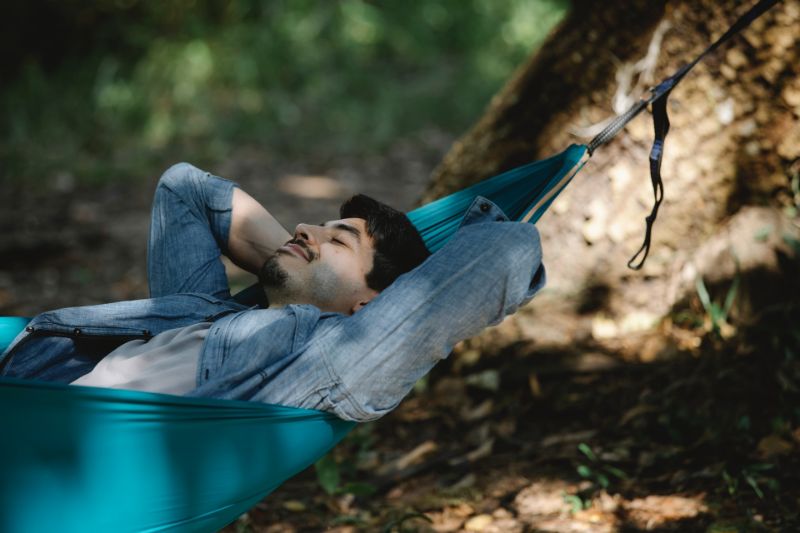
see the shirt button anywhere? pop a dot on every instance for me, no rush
(76, 331)
(485, 207)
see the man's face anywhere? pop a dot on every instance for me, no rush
(324, 265)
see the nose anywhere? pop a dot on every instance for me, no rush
(306, 233)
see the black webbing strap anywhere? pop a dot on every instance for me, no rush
(658, 98)
(661, 127)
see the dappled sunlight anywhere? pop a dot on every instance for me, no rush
(548, 504)
(311, 187)
(671, 443)
(663, 399)
(344, 76)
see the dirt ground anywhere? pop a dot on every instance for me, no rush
(544, 423)
(528, 438)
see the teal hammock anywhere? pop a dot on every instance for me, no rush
(90, 459)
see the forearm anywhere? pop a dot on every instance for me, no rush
(255, 234)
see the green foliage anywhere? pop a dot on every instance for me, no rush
(206, 77)
(718, 314)
(755, 476)
(793, 243)
(793, 210)
(576, 502)
(348, 520)
(332, 470)
(328, 474)
(397, 524)
(598, 472)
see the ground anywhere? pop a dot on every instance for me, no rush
(547, 422)
(523, 441)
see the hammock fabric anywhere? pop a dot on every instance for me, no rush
(90, 459)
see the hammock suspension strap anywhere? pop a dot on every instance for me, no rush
(658, 98)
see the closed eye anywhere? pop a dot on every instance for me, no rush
(353, 235)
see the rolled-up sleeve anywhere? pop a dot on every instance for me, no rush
(483, 274)
(189, 229)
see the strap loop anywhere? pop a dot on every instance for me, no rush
(661, 126)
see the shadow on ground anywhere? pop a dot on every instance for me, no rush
(541, 439)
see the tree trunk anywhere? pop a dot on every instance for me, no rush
(729, 161)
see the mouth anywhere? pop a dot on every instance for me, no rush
(296, 250)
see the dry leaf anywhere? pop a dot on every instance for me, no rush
(772, 445)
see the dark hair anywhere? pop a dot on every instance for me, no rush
(398, 245)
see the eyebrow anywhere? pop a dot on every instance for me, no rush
(346, 227)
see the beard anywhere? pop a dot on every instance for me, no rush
(272, 275)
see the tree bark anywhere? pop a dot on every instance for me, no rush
(733, 147)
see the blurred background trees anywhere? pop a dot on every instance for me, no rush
(105, 87)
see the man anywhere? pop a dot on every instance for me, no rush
(357, 312)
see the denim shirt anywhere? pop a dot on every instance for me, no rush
(358, 367)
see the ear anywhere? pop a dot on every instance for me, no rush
(363, 301)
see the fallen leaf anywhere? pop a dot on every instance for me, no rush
(772, 445)
(295, 506)
(482, 410)
(412, 457)
(535, 386)
(636, 412)
(655, 511)
(487, 380)
(478, 523)
(541, 498)
(481, 451)
(567, 438)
